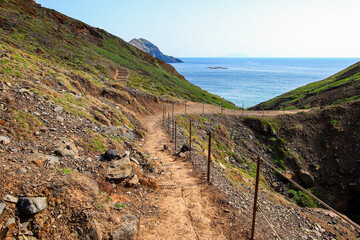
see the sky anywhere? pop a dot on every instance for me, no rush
(227, 28)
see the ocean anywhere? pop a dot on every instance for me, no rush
(249, 81)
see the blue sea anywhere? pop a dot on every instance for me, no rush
(249, 81)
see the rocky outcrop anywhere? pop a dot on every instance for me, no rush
(29, 206)
(153, 50)
(66, 148)
(119, 169)
(306, 178)
(127, 229)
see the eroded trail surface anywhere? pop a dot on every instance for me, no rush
(185, 205)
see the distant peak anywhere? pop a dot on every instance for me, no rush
(148, 47)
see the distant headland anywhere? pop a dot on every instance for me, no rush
(153, 50)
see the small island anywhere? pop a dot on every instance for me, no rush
(217, 67)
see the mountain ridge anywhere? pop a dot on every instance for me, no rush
(153, 50)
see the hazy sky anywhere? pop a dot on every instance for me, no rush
(220, 28)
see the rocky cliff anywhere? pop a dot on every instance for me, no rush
(153, 50)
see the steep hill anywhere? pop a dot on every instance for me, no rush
(69, 92)
(341, 87)
(153, 50)
(318, 149)
(77, 46)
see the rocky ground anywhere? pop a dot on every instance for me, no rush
(56, 182)
(59, 182)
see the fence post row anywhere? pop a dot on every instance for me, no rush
(209, 158)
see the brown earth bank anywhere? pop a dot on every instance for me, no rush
(47, 152)
(318, 149)
(82, 152)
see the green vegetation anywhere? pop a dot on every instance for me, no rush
(303, 199)
(335, 121)
(96, 142)
(344, 87)
(65, 171)
(118, 205)
(96, 53)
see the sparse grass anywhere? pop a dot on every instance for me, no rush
(96, 142)
(335, 121)
(303, 199)
(65, 171)
(118, 205)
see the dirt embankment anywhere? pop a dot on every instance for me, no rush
(321, 144)
(232, 185)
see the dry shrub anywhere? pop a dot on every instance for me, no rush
(105, 186)
(85, 184)
(8, 100)
(118, 197)
(149, 182)
(3, 123)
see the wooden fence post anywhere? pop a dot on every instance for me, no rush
(175, 135)
(209, 158)
(255, 198)
(190, 141)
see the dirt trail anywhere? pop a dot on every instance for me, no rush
(199, 108)
(184, 202)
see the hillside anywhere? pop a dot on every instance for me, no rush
(318, 149)
(85, 151)
(69, 93)
(342, 87)
(153, 50)
(76, 46)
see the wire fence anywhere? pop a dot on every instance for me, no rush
(171, 125)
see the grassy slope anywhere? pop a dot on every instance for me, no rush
(341, 87)
(77, 46)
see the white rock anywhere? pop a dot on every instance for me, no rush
(11, 199)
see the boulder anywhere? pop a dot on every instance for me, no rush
(185, 148)
(58, 109)
(29, 205)
(355, 187)
(4, 140)
(129, 135)
(113, 130)
(10, 199)
(2, 207)
(127, 229)
(52, 161)
(65, 148)
(21, 171)
(110, 155)
(306, 178)
(133, 181)
(119, 169)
